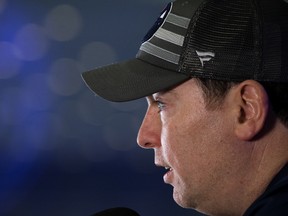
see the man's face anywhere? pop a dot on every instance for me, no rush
(195, 144)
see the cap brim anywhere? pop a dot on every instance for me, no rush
(130, 80)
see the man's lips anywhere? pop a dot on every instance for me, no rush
(168, 174)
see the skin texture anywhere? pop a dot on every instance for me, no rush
(220, 159)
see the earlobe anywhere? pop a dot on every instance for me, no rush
(253, 106)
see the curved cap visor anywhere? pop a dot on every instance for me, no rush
(130, 80)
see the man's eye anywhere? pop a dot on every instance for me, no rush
(160, 105)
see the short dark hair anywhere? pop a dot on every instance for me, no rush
(215, 91)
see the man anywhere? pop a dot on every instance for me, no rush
(215, 75)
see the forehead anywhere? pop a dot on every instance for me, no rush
(170, 92)
(185, 89)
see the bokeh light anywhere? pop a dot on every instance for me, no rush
(9, 64)
(64, 77)
(63, 23)
(31, 42)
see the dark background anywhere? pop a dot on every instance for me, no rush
(63, 150)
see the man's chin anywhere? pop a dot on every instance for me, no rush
(182, 200)
(189, 203)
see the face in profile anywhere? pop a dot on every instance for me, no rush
(195, 144)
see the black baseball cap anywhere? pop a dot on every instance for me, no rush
(229, 40)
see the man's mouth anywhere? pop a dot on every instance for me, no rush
(168, 168)
(168, 175)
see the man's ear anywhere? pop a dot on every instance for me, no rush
(253, 106)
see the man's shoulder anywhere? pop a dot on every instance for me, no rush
(274, 201)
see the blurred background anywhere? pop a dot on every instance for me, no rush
(63, 150)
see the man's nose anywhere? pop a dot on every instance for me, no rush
(150, 130)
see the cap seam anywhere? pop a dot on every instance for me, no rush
(259, 33)
(190, 29)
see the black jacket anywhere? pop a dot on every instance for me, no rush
(274, 201)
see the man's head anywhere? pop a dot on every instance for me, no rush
(215, 75)
(209, 153)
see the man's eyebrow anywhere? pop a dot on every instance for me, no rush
(150, 98)
(170, 91)
(154, 97)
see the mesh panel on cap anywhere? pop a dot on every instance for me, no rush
(275, 43)
(226, 30)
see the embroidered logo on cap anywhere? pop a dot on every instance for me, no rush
(158, 23)
(205, 56)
